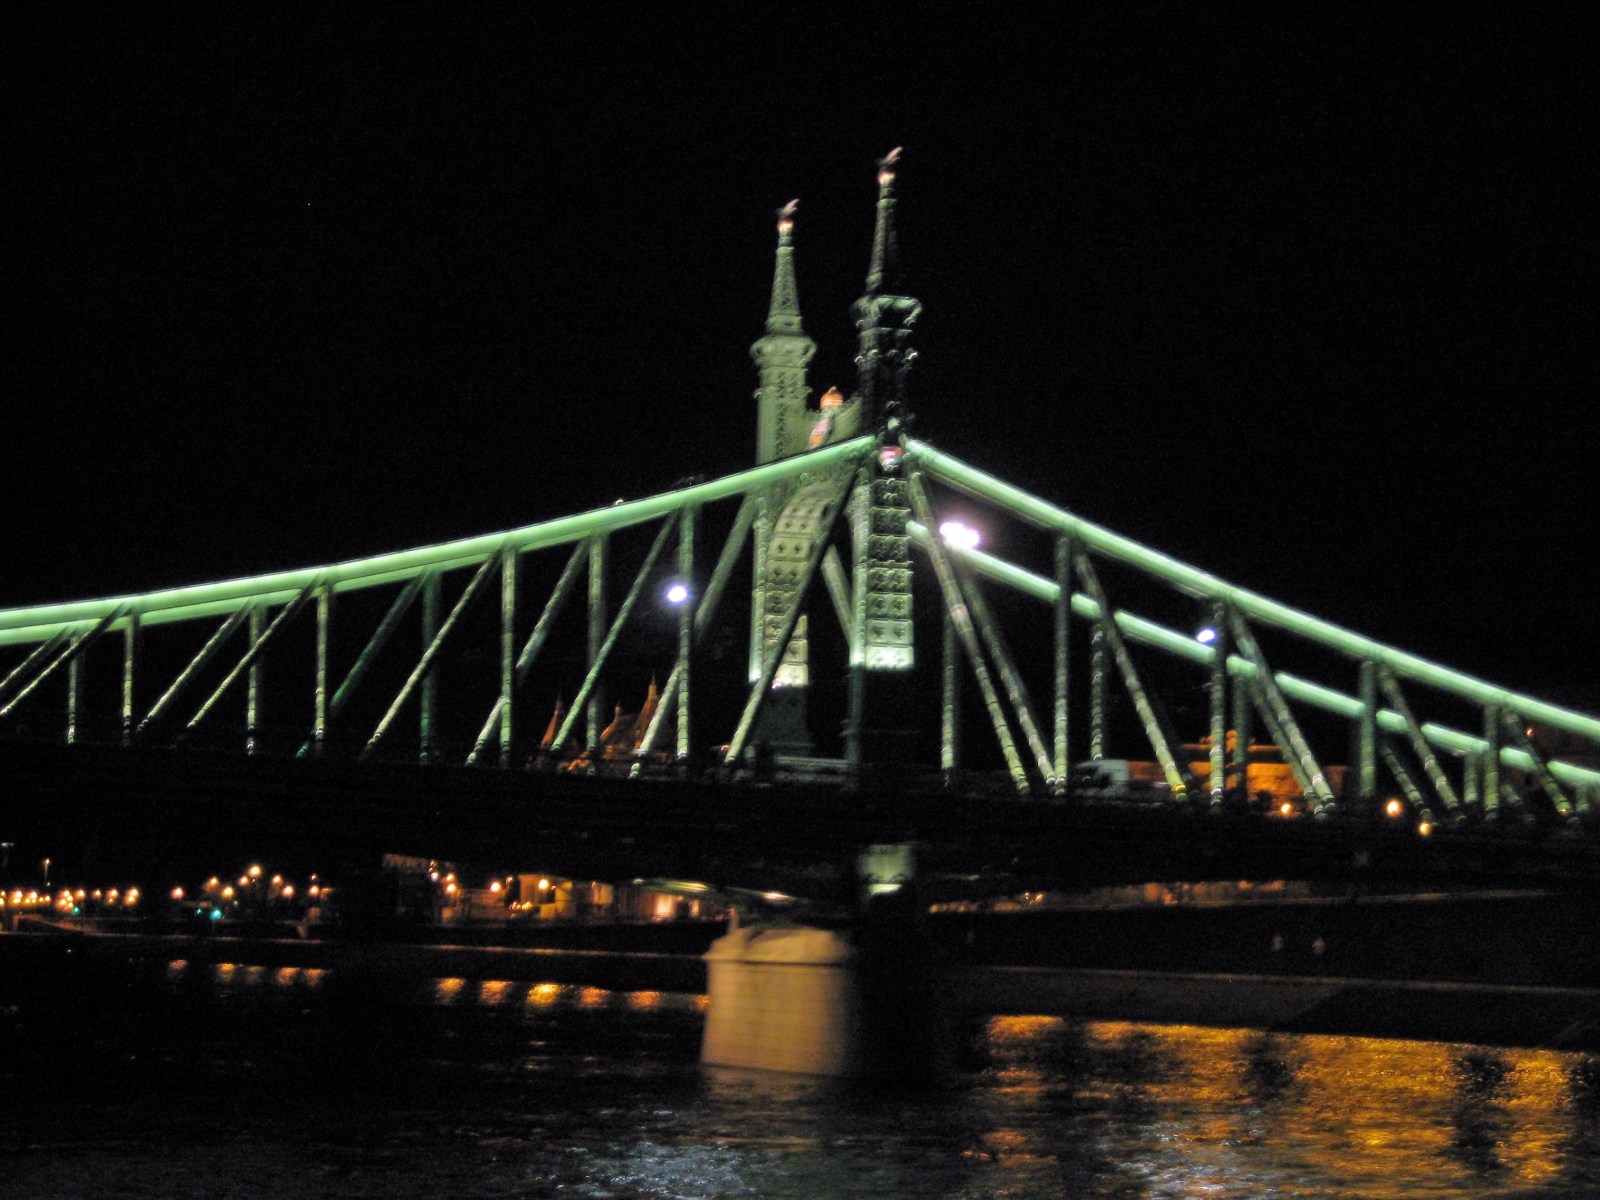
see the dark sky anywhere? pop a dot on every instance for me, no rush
(1306, 300)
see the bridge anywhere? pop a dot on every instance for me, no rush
(1033, 698)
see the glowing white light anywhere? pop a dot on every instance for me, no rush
(677, 594)
(1206, 636)
(957, 534)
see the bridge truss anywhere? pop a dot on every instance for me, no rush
(1493, 768)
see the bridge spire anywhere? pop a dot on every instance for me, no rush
(781, 356)
(884, 320)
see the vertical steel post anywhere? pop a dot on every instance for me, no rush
(1491, 761)
(1063, 672)
(1367, 734)
(1097, 691)
(597, 635)
(319, 723)
(74, 696)
(763, 519)
(686, 615)
(1219, 706)
(508, 649)
(430, 680)
(1470, 797)
(1243, 734)
(130, 654)
(950, 708)
(252, 704)
(860, 533)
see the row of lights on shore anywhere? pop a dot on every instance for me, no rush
(68, 899)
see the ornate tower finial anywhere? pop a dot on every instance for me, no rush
(883, 320)
(782, 355)
(884, 251)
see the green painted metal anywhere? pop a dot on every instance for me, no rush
(40, 622)
(425, 666)
(258, 644)
(686, 615)
(1098, 694)
(1219, 707)
(601, 652)
(1243, 726)
(1031, 509)
(1367, 733)
(1471, 769)
(1512, 722)
(252, 704)
(535, 642)
(839, 593)
(860, 559)
(429, 685)
(369, 653)
(319, 719)
(1149, 633)
(1062, 611)
(791, 618)
(1492, 735)
(196, 665)
(1280, 719)
(508, 651)
(68, 657)
(1010, 678)
(594, 694)
(23, 671)
(74, 697)
(1402, 776)
(781, 356)
(705, 613)
(956, 609)
(1419, 744)
(1162, 740)
(130, 654)
(950, 705)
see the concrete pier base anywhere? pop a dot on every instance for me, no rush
(871, 1003)
(784, 1000)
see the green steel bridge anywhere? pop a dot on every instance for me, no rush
(909, 617)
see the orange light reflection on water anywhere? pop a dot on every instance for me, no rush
(1364, 1116)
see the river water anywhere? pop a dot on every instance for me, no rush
(248, 1082)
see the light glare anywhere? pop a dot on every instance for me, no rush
(957, 534)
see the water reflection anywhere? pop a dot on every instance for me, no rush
(487, 1088)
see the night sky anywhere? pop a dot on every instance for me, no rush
(1306, 300)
